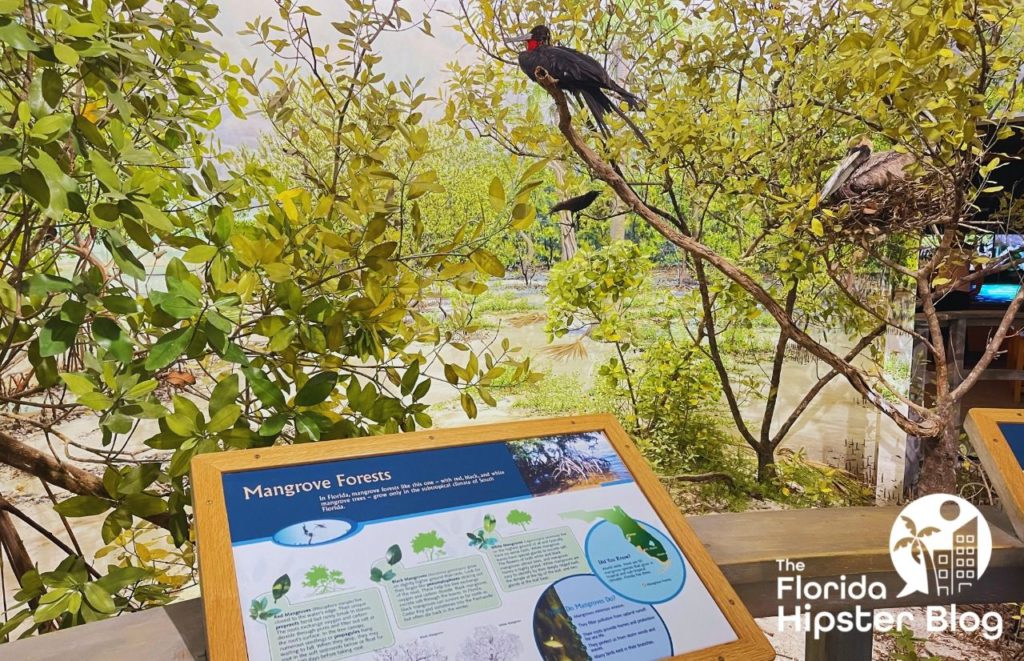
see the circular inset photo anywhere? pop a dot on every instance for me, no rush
(311, 533)
(635, 560)
(578, 617)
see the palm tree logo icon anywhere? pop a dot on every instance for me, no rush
(919, 551)
(940, 545)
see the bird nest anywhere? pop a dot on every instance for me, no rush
(904, 207)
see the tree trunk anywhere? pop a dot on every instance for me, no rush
(765, 465)
(568, 235)
(617, 226)
(938, 461)
(566, 226)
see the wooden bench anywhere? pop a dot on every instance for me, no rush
(748, 545)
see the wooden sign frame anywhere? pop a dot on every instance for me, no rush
(223, 612)
(997, 458)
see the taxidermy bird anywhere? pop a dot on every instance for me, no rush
(578, 74)
(576, 204)
(862, 171)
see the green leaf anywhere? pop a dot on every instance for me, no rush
(179, 308)
(56, 337)
(16, 36)
(44, 283)
(9, 164)
(51, 127)
(308, 425)
(82, 506)
(168, 348)
(496, 193)
(224, 393)
(273, 425)
(99, 598)
(412, 373)
(487, 263)
(268, 393)
(53, 609)
(155, 218)
(109, 336)
(97, 401)
(281, 587)
(120, 304)
(224, 417)
(137, 478)
(78, 383)
(66, 54)
(144, 504)
(199, 254)
(317, 389)
(468, 405)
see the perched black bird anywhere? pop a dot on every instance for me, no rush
(576, 204)
(579, 74)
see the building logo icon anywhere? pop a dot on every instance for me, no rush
(940, 546)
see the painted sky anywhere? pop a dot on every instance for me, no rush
(411, 53)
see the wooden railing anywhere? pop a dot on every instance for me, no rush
(830, 542)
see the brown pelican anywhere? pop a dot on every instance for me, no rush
(863, 171)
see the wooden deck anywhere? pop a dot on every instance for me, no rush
(747, 546)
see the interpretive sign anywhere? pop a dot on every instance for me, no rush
(998, 437)
(546, 539)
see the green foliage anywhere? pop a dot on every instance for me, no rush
(294, 274)
(906, 646)
(597, 290)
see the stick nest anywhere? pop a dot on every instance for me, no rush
(907, 206)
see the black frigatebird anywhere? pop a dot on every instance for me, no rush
(579, 74)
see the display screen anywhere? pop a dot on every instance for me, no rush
(1013, 432)
(996, 294)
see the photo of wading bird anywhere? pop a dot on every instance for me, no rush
(580, 75)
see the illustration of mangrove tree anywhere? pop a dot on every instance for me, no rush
(428, 543)
(414, 651)
(519, 518)
(322, 580)
(490, 643)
